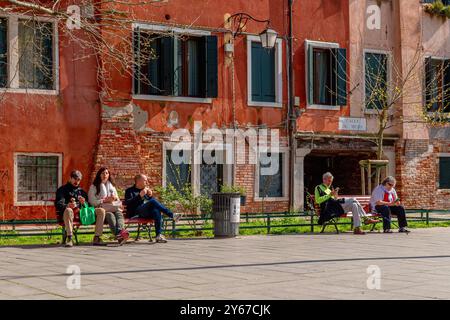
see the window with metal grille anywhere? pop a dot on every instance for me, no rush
(178, 171)
(271, 186)
(37, 177)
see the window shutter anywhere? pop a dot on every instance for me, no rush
(3, 53)
(136, 52)
(167, 65)
(446, 86)
(339, 55)
(268, 74)
(428, 83)
(47, 56)
(256, 72)
(211, 67)
(151, 70)
(444, 173)
(310, 64)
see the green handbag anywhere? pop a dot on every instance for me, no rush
(87, 214)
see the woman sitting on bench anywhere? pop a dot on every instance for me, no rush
(103, 194)
(386, 202)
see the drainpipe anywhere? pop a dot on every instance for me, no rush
(292, 121)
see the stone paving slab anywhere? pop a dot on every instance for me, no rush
(326, 266)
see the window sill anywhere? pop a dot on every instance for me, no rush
(33, 203)
(30, 91)
(171, 98)
(372, 111)
(264, 104)
(323, 107)
(258, 199)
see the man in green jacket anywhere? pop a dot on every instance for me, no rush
(330, 206)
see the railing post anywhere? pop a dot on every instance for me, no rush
(311, 213)
(173, 229)
(268, 224)
(428, 217)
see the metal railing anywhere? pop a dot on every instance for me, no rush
(268, 221)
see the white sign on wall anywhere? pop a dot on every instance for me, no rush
(352, 124)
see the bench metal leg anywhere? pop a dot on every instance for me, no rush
(323, 227)
(75, 234)
(64, 235)
(335, 226)
(138, 232)
(149, 230)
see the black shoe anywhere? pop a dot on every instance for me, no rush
(387, 231)
(404, 230)
(98, 241)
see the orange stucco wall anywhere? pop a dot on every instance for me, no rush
(66, 123)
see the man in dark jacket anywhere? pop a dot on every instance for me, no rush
(69, 199)
(141, 203)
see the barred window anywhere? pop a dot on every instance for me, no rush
(37, 177)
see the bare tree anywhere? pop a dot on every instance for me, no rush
(102, 31)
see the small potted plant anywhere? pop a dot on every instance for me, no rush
(437, 8)
(235, 189)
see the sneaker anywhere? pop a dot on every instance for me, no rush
(122, 237)
(404, 230)
(387, 231)
(69, 242)
(98, 241)
(121, 240)
(160, 238)
(124, 234)
(177, 217)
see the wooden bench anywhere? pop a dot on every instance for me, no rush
(363, 200)
(143, 224)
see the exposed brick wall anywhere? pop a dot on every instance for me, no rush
(417, 174)
(127, 152)
(118, 148)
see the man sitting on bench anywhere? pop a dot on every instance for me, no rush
(331, 207)
(141, 203)
(69, 199)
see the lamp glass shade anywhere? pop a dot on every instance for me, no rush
(268, 38)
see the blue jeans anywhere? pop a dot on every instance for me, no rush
(152, 210)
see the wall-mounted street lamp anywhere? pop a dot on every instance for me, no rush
(239, 21)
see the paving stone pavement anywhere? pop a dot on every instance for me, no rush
(325, 266)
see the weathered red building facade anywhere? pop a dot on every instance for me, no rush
(100, 113)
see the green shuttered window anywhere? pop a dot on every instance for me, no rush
(327, 75)
(263, 73)
(437, 85)
(3, 52)
(175, 66)
(376, 79)
(444, 173)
